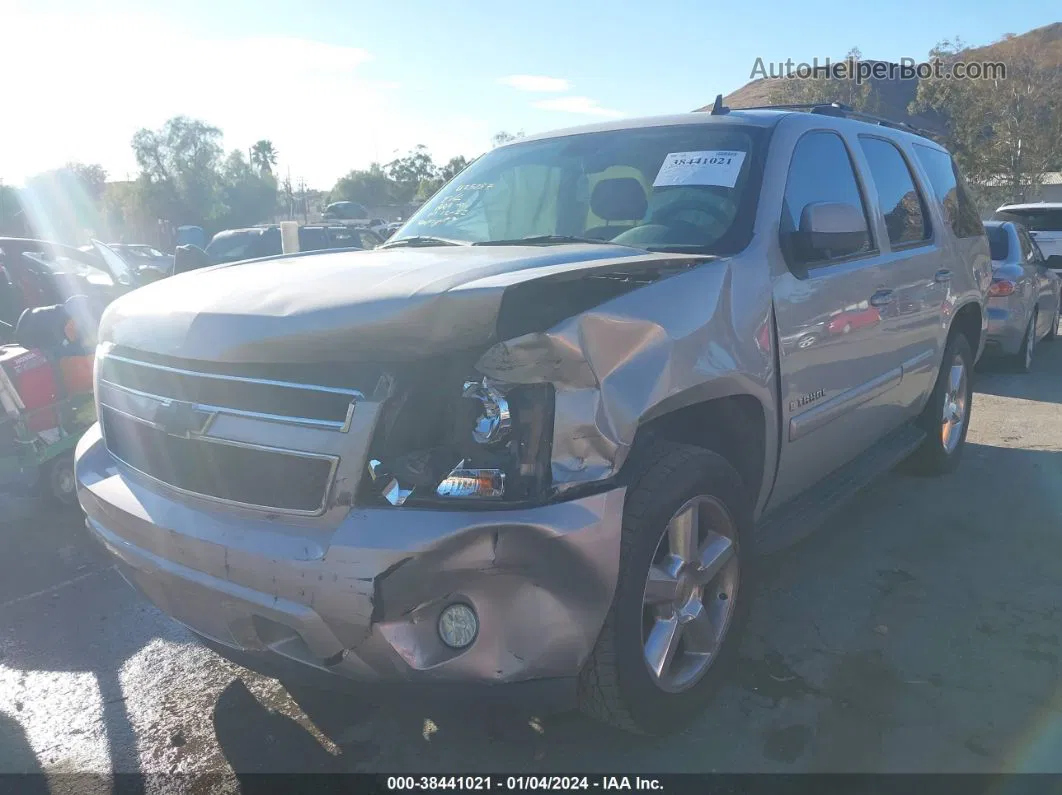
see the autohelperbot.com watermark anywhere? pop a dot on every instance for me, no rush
(861, 71)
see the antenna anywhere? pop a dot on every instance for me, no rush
(719, 109)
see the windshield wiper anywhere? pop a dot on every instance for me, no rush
(545, 240)
(423, 240)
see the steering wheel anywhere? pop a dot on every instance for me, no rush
(667, 215)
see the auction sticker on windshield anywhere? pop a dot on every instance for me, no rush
(715, 167)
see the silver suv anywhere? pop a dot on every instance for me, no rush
(528, 446)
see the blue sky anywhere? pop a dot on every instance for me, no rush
(336, 85)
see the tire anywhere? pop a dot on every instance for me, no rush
(57, 482)
(1023, 361)
(616, 685)
(1052, 333)
(935, 456)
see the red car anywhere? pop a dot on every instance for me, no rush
(855, 317)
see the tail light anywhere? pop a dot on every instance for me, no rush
(1000, 288)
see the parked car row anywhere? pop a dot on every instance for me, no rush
(528, 447)
(1026, 294)
(233, 245)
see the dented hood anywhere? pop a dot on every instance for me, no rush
(387, 303)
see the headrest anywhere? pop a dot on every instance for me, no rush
(619, 199)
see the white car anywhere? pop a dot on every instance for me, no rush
(1044, 222)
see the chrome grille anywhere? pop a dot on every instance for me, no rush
(320, 406)
(163, 422)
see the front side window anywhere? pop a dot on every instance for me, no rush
(959, 210)
(820, 172)
(899, 199)
(673, 188)
(1026, 246)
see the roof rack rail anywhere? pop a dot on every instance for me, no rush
(840, 110)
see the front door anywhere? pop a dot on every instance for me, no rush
(838, 370)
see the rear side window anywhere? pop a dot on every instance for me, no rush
(344, 238)
(998, 242)
(959, 209)
(312, 238)
(899, 199)
(1034, 219)
(233, 246)
(821, 171)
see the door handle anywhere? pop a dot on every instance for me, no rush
(881, 298)
(942, 276)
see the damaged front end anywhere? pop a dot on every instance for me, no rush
(480, 428)
(451, 437)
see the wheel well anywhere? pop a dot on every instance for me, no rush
(734, 427)
(968, 321)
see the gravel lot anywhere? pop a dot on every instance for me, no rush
(918, 632)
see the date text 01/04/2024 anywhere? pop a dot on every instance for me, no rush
(522, 783)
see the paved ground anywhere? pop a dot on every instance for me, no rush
(918, 632)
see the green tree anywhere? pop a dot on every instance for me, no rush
(791, 90)
(180, 167)
(371, 187)
(263, 156)
(91, 178)
(504, 137)
(1004, 131)
(453, 167)
(249, 196)
(444, 174)
(63, 204)
(409, 171)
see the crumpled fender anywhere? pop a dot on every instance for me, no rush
(670, 343)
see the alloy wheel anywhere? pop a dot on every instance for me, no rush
(953, 418)
(690, 594)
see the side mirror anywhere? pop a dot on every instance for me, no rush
(1054, 262)
(829, 230)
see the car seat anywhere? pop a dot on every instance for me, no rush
(621, 199)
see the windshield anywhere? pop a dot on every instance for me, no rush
(998, 242)
(673, 188)
(1038, 220)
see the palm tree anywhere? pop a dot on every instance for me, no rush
(263, 157)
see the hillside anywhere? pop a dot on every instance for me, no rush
(890, 98)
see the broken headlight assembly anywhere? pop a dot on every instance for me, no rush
(479, 442)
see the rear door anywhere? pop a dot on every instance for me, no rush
(838, 371)
(1033, 261)
(914, 267)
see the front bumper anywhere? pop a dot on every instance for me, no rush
(360, 599)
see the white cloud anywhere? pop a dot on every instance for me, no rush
(110, 76)
(580, 105)
(536, 83)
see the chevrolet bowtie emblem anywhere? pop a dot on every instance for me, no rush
(180, 418)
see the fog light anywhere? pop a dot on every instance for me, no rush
(458, 626)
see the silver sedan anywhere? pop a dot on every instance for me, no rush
(1023, 304)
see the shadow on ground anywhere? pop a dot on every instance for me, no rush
(43, 629)
(997, 376)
